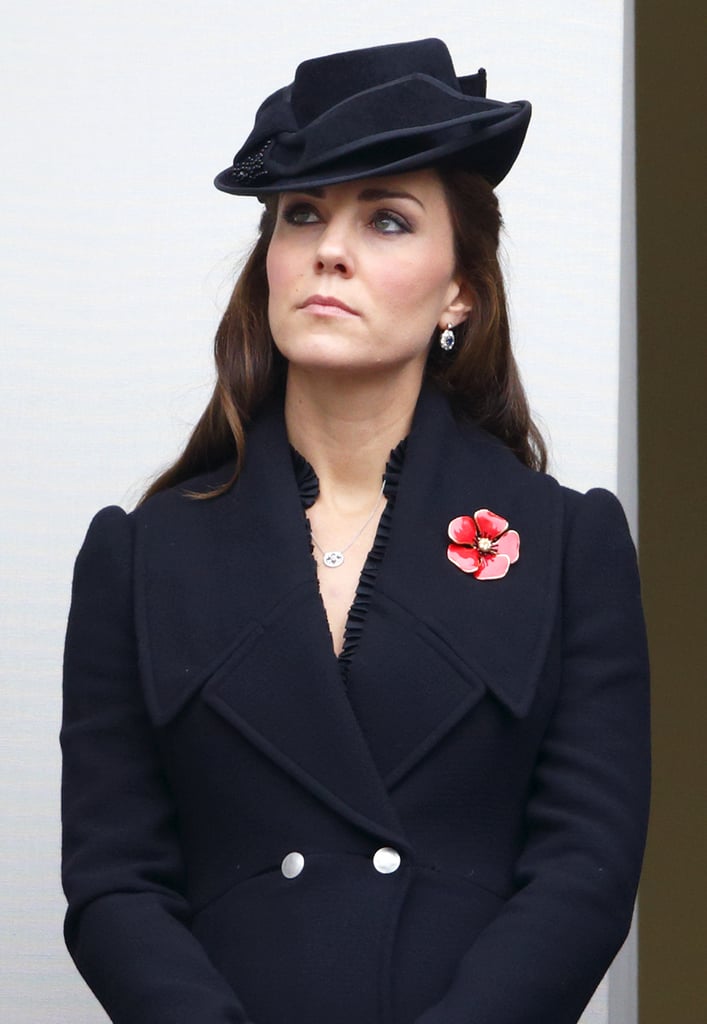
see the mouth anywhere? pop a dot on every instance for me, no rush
(326, 305)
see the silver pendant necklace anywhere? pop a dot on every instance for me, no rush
(334, 558)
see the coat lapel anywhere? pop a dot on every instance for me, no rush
(229, 606)
(435, 639)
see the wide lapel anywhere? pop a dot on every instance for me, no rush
(231, 607)
(435, 639)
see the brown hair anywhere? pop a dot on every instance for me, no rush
(481, 376)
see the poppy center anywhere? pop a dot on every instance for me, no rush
(484, 544)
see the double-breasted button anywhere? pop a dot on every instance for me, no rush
(386, 860)
(292, 864)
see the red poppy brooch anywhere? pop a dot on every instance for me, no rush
(483, 545)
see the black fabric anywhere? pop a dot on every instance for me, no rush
(494, 733)
(380, 110)
(308, 485)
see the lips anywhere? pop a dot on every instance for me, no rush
(327, 305)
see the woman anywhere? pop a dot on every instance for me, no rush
(356, 700)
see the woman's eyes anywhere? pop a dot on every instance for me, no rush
(300, 213)
(389, 223)
(386, 222)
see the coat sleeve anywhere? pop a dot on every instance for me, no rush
(541, 958)
(127, 925)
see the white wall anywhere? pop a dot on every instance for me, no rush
(118, 255)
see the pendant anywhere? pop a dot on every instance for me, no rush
(333, 559)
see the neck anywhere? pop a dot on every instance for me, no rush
(346, 429)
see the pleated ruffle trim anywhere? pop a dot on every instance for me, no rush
(308, 485)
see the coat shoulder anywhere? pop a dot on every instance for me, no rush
(185, 499)
(598, 506)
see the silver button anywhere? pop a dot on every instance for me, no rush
(386, 860)
(292, 864)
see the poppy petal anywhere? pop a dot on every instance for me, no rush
(466, 559)
(462, 530)
(489, 524)
(494, 569)
(509, 544)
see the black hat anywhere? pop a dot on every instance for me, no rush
(382, 110)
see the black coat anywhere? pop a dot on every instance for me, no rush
(494, 734)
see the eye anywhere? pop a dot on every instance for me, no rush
(300, 213)
(389, 223)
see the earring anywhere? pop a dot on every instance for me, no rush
(447, 339)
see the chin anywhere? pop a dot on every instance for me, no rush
(326, 354)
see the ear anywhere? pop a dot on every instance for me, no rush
(458, 308)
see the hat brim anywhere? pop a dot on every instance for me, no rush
(490, 152)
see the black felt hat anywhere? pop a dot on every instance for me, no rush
(382, 110)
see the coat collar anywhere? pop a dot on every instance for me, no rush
(227, 603)
(436, 639)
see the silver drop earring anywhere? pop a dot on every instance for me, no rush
(447, 339)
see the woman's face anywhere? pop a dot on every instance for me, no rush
(360, 274)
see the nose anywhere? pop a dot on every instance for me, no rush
(334, 251)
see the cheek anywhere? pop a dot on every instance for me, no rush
(276, 270)
(420, 285)
(284, 286)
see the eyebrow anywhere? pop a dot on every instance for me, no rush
(374, 194)
(368, 194)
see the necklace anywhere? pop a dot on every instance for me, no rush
(334, 558)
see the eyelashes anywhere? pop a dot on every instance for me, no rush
(383, 221)
(300, 214)
(396, 222)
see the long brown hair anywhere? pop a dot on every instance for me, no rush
(481, 376)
